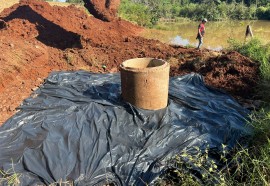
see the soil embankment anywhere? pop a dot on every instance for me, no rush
(37, 39)
(105, 10)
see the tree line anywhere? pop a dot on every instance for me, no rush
(148, 12)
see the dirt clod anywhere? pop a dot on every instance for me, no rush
(105, 10)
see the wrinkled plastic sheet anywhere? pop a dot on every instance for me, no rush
(77, 127)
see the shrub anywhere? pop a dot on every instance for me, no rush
(263, 12)
(137, 12)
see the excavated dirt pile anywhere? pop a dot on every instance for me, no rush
(37, 39)
(103, 9)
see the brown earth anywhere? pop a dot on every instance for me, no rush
(36, 39)
(105, 10)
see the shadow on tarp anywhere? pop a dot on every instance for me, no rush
(78, 128)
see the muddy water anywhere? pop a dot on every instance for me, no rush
(216, 36)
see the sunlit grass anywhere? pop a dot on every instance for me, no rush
(58, 3)
(6, 4)
(63, 4)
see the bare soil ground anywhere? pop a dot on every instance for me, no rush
(37, 38)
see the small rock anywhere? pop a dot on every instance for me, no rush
(40, 80)
(34, 95)
(34, 89)
(11, 45)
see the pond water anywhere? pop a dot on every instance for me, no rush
(216, 34)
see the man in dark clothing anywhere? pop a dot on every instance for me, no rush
(201, 31)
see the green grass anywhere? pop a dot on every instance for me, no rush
(11, 178)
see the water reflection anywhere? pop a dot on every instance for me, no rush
(216, 36)
(178, 40)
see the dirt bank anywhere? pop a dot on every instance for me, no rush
(37, 39)
(103, 9)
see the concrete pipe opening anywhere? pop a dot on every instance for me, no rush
(145, 82)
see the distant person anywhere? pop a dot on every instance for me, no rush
(249, 31)
(201, 31)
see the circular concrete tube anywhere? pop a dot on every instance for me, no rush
(145, 82)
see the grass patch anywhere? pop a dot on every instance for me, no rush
(10, 177)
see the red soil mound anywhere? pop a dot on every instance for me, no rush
(102, 9)
(37, 39)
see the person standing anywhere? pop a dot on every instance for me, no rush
(201, 31)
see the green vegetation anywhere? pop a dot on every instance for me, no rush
(148, 12)
(137, 12)
(218, 11)
(10, 177)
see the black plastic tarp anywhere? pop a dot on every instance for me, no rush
(77, 127)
